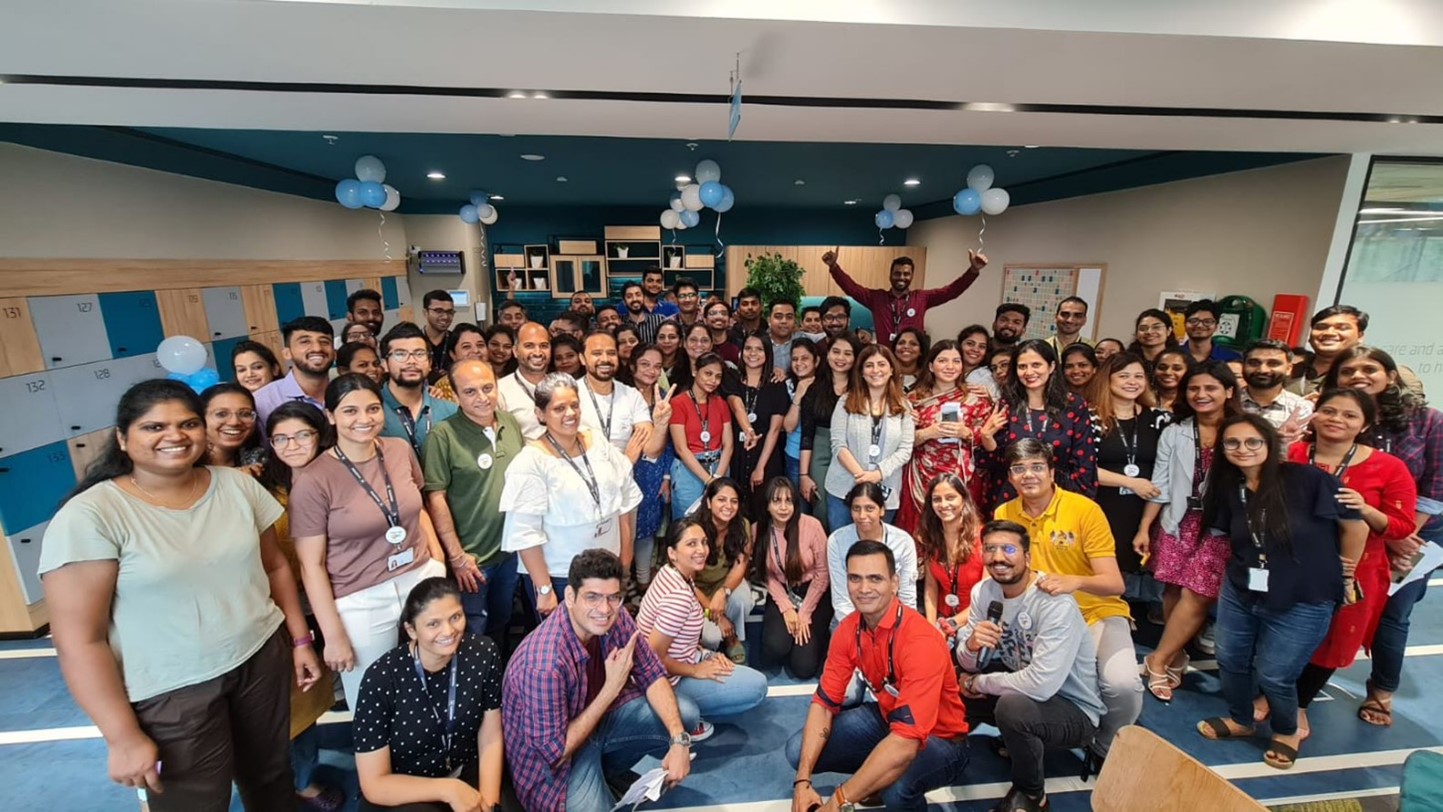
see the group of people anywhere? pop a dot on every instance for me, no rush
(943, 533)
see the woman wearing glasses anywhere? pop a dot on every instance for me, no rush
(362, 533)
(231, 439)
(872, 435)
(1152, 333)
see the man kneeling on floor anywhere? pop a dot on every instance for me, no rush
(913, 738)
(1040, 682)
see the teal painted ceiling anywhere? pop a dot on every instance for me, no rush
(627, 171)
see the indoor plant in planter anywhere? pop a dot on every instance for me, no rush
(775, 278)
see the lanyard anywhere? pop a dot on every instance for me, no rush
(448, 728)
(1129, 447)
(605, 419)
(874, 451)
(409, 423)
(777, 554)
(897, 312)
(1031, 430)
(589, 477)
(704, 415)
(521, 382)
(891, 681)
(1342, 465)
(393, 512)
(749, 399)
(1198, 472)
(1255, 531)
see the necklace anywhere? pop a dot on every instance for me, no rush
(194, 484)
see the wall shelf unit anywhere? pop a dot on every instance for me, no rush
(570, 274)
(630, 250)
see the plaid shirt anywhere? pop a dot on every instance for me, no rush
(1420, 447)
(647, 327)
(545, 689)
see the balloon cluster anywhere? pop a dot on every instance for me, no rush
(479, 210)
(708, 192)
(892, 214)
(184, 358)
(367, 189)
(980, 195)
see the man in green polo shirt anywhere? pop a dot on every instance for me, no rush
(465, 464)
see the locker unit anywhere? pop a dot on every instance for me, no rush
(19, 347)
(131, 371)
(182, 313)
(85, 395)
(313, 299)
(132, 322)
(260, 306)
(390, 297)
(289, 304)
(33, 482)
(25, 552)
(86, 448)
(226, 313)
(71, 329)
(353, 285)
(220, 353)
(28, 403)
(336, 294)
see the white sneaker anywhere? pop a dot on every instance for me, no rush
(1205, 642)
(703, 731)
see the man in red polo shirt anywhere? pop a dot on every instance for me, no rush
(911, 736)
(899, 306)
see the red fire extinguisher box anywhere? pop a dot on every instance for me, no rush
(1290, 315)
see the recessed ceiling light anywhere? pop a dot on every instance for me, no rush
(516, 94)
(330, 139)
(540, 94)
(433, 175)
(1029, 146)
(531, 156)
(682, 178)
(497, 197)
(852, 202)
(799, 182)
(911, 182)
(560, 178)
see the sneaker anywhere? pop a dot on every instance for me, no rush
(1205, 642)
(702, 732)
(330, 799)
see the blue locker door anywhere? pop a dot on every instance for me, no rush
(390, 299)
(33, 482)
(132, 322)
(221, 351)
(289, 305)
(336, 294)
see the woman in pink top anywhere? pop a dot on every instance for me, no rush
(796, 619)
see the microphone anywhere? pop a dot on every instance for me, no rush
(994, 615)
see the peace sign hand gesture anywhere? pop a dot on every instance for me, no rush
(661, 412)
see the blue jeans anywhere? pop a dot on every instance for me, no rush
(1260, 649)
(1390, 642)
(839, 515)
(305, 756)
(686, 489)
(488, 609)
(736, 694)
(793, 470)
(558, 588)
(856, 731)
(624, 736)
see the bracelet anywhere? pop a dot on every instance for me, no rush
(302, 642)
(801, 781)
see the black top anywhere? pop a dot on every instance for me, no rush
(1312, 572)
(394, 711)
(816, 410)
(766, 401)
(1124, 511)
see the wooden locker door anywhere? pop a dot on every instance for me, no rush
(260, 308)
(182, 313)
(86, 448)
(19, 345)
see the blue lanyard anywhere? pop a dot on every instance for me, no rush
(448, 728)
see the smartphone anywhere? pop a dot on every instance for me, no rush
(951, 412)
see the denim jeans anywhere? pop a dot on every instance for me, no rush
(856, 731)
(739, 605)
(624, 736)
(839, 515)
(1028, 728)
(488, 609)
(1390, 642)
(686, 489)
(558, 588)
(744, 689)
(1261, 649)
(793, 469)
(305, 756)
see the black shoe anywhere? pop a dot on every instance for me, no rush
(621, 782)
(1018, 801)
(1091, 763)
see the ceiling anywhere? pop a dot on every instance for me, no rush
(852, 97)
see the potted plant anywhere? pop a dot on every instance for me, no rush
(776, 278)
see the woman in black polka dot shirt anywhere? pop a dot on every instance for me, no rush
(428, 719)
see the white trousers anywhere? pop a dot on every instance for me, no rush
(372, 619)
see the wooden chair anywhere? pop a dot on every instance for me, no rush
(1145, 773)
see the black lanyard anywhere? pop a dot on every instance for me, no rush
(1342, 465)
(1198, 472)
(890, 683)
(749, 400)
(1031, 430)
(876, 439)
(703, 415)
(521, 382)
(898, 312)
(393, 513)
(448, 728)
(604, 420)
(409, 423)
(1129, 447)
(781, 562)
(1255, 531)
(589, 477)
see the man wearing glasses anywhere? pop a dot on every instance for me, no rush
(1076, 556)
(570, 697)
(1201, 322)
(410, 409)
(1032, 670)
(688, 301)
(440, 311)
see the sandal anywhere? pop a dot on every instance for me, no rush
(1175, 673)
(1159, 685)
(1217, 728)
(1280, 755)
(737, 653)
(1381, 709)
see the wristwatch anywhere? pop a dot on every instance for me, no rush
(683, 738)
(544, 589)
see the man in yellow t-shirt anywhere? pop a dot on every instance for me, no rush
(1073, 548)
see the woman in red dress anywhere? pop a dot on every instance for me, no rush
(950, 538)
(942, 446)
(1379, 486)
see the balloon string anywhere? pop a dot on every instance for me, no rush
(881, 237)
(381, 232)
(720, 246)
(673, 236)
(980, 241)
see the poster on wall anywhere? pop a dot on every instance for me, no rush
(1175, 302)
(1043, 287)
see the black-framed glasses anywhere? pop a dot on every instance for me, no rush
(1005, 549)
(401, 356)
(303, 437)
(1037, 468)
(1250, 443)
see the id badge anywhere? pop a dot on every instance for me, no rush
(400, 559)
(1257, 579)
(1124, 491)
(603, 528)
(456, 773)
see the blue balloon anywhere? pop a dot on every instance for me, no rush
(177, 376)
(885, 219)
(967, 202)
(712, 194)
(728, 200)
(348, 193)
(202, 379)
(479, 198)
(373, 194)
(469, 214)
(689, 218)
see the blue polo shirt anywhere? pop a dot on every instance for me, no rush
(399, 423)
(1219, 353)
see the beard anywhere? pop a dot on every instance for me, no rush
(1264, 380)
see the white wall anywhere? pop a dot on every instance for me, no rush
(60, 206)
(1256, 233)
(446, 232)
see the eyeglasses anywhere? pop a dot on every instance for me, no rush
(686, 297)
(279, 441)
(1005, 549)
(1202, 322)
(442, 311)
(1250, 443)
(243, 415)
(1037, 468)
(400, 356)
(1152, 328)
(593, 600)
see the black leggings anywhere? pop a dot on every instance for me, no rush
(778, 647)
(1311, 682)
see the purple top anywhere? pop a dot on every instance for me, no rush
(279, 391)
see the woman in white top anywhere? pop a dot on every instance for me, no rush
(566, 492)
(872, 434)
(865, 501)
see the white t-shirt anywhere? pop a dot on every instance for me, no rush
(548, 504)
(623, 409)
(904, 551)
(519, 397)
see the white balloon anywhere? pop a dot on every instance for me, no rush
(393, 198)
(370, 168)
(980, 178)
(670, 219)
(995, 201)
(181, 354)
(707, 170)
(677, 205)
(691, 197)
(488, 215)
(902, 218)
(892, 202)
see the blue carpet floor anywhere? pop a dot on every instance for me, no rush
(51, 759)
